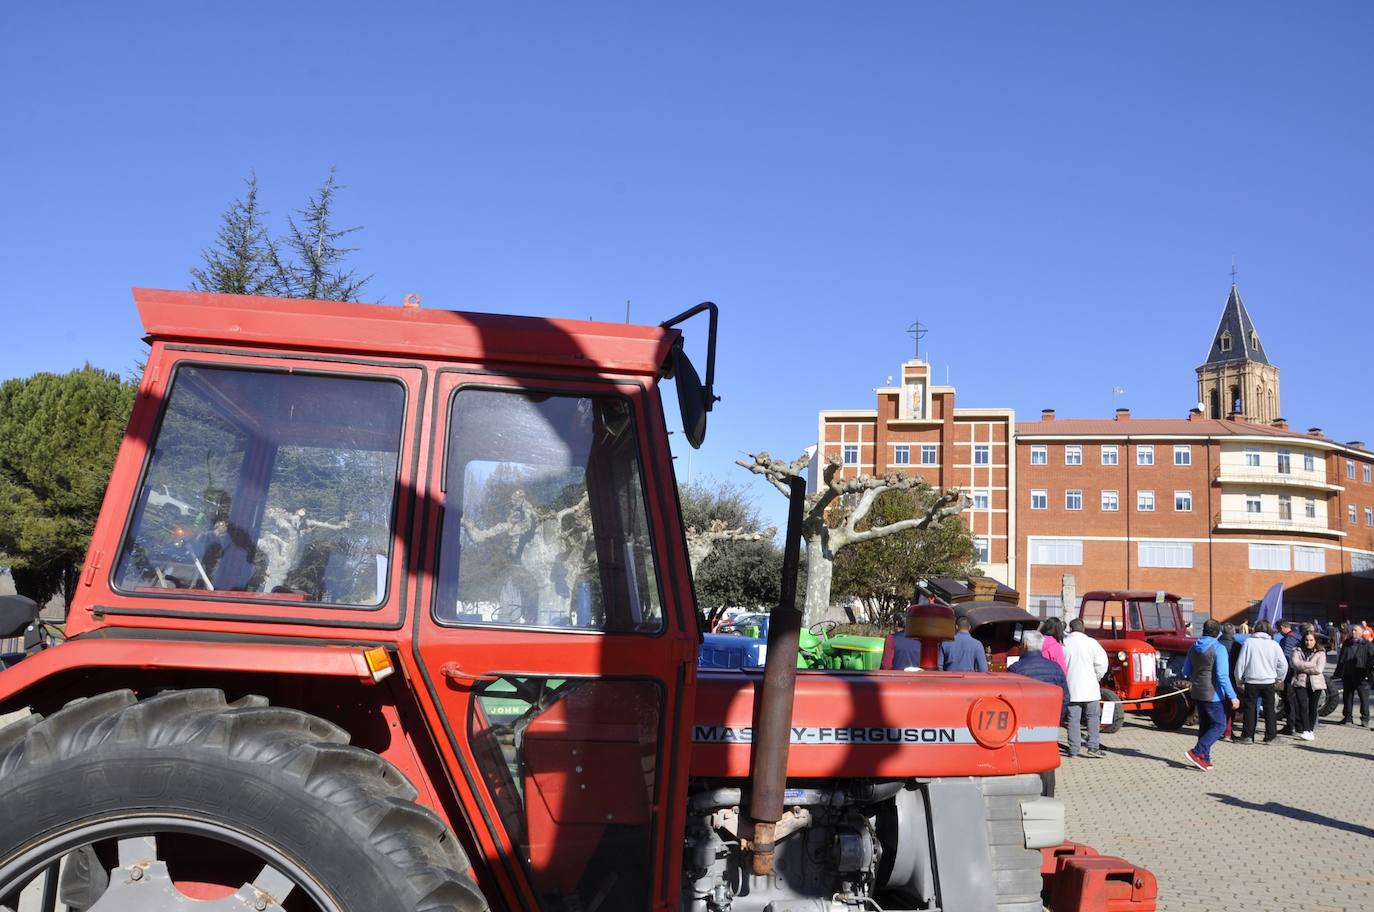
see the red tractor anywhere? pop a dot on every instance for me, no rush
(391, 609)
(1146, 642)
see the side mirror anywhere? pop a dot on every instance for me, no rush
(691, 397)
(694, 398)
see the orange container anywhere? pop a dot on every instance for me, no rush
(1102, 883)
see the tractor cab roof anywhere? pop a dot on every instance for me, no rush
(373, 329)
(1127, 595)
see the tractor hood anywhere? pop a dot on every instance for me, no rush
(885, 724)
(1171, 643)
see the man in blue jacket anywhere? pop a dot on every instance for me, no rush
(1208, 670)
(1034, 665)
(963, 653)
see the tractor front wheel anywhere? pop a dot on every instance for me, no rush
(182, 801)
(1171, 713)
(1118, 716)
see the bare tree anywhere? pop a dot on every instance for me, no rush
(845, 502)
(701, 542)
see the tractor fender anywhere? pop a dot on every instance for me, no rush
(331, 680)
(90, 653)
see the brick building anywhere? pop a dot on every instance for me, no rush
(1214, 509)
(916, 428)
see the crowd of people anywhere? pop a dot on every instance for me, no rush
(1230, 671)
(1250, 670)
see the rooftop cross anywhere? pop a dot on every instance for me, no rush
(917, 331)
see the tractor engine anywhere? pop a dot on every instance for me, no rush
(902, 844)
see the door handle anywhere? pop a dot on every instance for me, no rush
(457, 677)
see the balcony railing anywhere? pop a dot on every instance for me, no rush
(1268, 522)
(1230, 474)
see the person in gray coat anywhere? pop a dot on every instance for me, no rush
(1261, 667)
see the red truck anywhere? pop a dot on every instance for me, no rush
(391, 609)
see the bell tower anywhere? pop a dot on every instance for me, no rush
(1237, 379)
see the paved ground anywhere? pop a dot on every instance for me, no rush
(1285, 827)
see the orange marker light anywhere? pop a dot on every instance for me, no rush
(378, 662)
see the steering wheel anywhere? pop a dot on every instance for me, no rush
(823, 628)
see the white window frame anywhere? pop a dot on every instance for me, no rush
(1165, 554)
(1113, 505)
(1255, 500)
(1183, 454)
(1285, 461)
(1073, 455)
(1350, 469)
(901, 454)
(1252, 458)
(1110, 454)
(1069, 496)
(1369, 516)
(1286, 506)
(1183, 501)
(982, 547)
(982, 454)
(846, 451)
(1041, 495)
(1144, 501)
(1353, 514)
(1060, 552)
(985, 496)
(1311, 508)
(1145, 454)
(1368, 473)
(1307, 559)
(1309, 462)
(933, 451)
(1270, 557)
(1039, 454)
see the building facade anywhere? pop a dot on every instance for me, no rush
(916, 429)
(1213, 507)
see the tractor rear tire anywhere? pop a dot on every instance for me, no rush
(1118, 715)
(258, 785)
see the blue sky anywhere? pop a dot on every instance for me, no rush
(1056, 190)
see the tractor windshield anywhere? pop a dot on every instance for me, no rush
(266, 483)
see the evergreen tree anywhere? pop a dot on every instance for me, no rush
(241, 260)
(312, 266)
(308, 261)
(58, 438)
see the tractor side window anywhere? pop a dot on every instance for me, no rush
(1092, 613)
(570, 765)
(544, 521)
(269, 484)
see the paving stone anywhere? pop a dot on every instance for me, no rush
(1286, 826)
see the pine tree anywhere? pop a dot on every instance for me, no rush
(308, 261)
(58, 438)
(313, 267)
(240, 262)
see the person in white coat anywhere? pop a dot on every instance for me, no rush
(1087, 663)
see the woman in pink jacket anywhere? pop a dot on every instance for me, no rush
(1309, 681)
(1053, 629)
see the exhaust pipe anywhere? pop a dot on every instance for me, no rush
(773, 707)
